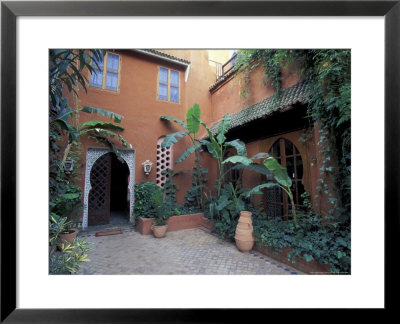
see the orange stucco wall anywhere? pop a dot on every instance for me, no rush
(226, 98)
(137, 102)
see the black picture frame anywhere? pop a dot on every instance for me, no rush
(9, 13)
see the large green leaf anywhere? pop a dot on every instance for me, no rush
(260, 155)
(222, 202)
(72, 131)
(171, 139)
(100, 124)
(193, 119)
(103, 112)
(238, 159)
(178, 121)
(210, 135)
(223, 128)
(257, 190)
(71, 195)
(239, 146)
(105, 134)
(214, 150)
(188, 151)
(278, 171)
(253, 167)
(224, 124)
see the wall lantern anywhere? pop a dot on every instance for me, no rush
(68, 166)
(147, 167)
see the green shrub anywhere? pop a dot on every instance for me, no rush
(161, 214)
(68, 260)
(144, 206)
(315, 238)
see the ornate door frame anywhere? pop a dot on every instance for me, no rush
(92, 154)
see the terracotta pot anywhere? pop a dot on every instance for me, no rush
(159, 231)
(244, 232)
(69, 237)
(244, 246)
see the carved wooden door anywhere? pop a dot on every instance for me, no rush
(99, 197)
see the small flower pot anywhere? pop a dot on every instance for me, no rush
(159, 231)
(68, 237)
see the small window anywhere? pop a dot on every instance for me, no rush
(106, 74)
(168, 85)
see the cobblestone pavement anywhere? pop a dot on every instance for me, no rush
(192, 251)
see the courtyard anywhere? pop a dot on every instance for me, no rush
(257, 142)
(188, 252)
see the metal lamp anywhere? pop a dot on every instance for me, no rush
(147, 167)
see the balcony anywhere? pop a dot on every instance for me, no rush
(223, 69)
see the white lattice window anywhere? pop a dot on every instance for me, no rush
(164, 162)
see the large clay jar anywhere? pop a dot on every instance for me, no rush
(244, 232)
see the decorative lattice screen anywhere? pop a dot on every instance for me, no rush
(99, 197)
(164, 162)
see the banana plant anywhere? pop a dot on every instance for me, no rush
(282, 180)
(191, 128)
(100, 130)
(216, 145)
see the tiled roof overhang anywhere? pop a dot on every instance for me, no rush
(164, 56)
(297, 93)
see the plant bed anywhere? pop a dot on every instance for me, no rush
(311, 267)
(175, 223)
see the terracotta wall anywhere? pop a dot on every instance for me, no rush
(227, 97)
(137, 102)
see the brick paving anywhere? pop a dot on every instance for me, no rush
(192, 251)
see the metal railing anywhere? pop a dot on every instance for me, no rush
(223, 69)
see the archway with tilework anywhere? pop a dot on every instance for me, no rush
(93, 154)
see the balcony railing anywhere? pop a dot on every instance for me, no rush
(223, 69)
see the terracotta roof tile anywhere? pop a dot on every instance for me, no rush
(262, 109)
(153, 51)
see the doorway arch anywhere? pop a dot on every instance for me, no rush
(92, 155)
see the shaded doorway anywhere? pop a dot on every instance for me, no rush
(108, 197)
(119, 204)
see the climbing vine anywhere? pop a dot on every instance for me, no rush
(329, 106)
(328, 75)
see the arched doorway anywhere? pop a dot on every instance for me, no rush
(109, 183)
(108, 198)
(276, 202)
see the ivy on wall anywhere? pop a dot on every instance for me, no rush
(328, 72)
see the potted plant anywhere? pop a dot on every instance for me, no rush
(160, 225)
(61, 231)
(68, 235)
